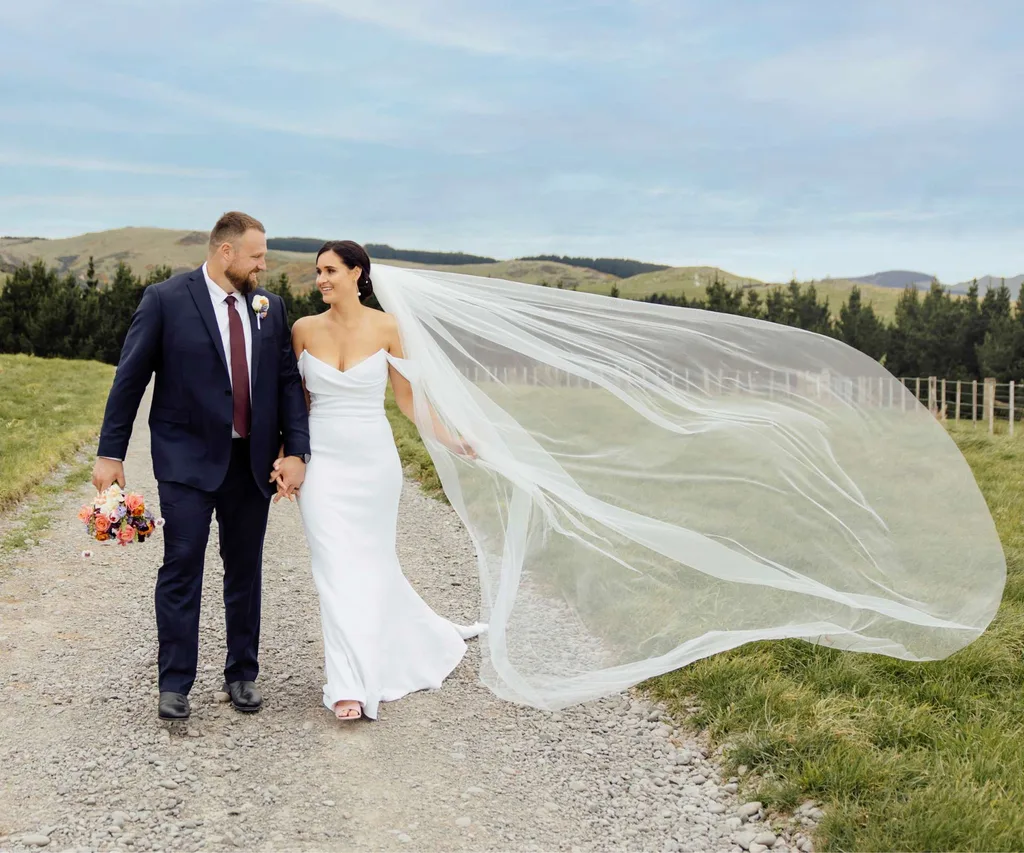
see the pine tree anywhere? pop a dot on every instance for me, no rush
(91, 282)
(859, 327)
(117, 304)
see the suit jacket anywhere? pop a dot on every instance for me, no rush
(174, 335)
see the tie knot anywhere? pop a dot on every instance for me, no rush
(230, 299)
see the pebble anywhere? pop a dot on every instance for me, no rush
(610, 774)
(745, 839)
(35, 840)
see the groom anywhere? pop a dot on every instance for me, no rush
(227, 402)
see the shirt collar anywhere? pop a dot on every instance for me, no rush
(217, 293)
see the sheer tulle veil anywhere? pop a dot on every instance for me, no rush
(658, 484)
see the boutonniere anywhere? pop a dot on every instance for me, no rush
(260, 305)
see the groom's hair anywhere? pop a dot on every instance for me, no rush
(233, 225)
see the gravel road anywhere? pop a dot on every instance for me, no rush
(85, 764)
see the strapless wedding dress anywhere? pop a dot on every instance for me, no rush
(381, 640)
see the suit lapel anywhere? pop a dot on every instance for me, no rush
(201, 296)
(254, 328)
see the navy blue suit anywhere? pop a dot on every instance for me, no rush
(199, 467)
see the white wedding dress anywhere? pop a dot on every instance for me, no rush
(381, 640)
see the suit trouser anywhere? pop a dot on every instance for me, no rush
(242, 511)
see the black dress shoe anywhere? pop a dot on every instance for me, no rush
(174, 706)
(245, 696)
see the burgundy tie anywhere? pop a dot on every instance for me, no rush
(239, 371)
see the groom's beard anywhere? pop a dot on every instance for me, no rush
(244, 284)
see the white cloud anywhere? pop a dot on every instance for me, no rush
(551, 32)
(81, 164)
(884, 80)
(442, 23)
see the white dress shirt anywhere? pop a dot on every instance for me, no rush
(220, 308)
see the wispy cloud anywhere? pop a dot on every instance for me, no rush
(435, 22)
(883, 80)
(77, 164)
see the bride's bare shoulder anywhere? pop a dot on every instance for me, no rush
(389, 332)
(302, 327)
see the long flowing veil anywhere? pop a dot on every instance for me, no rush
(658, 484)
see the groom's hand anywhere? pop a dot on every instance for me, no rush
(106, 472)
(289, 472)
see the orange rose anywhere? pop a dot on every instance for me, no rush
(102, 537)
(102, 523)
(134, 504)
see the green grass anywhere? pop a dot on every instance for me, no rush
(41, 511)
(903, 756)
(49, 408)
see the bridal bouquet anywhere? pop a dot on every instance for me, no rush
(119, 517)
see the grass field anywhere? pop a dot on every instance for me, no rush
(902, 756)
(48, 409)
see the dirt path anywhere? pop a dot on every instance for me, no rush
(84, 762)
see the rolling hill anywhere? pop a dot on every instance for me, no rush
(990, 282)
(143, 249)
(895, 278)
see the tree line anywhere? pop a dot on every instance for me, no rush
(932, 333)
(48, 314)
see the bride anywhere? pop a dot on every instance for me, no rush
(654, 485)
(381, 640)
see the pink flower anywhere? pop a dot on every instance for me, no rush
(84, 514)
(126, 534)
(87, 554)
(135, 504)
(159, 522)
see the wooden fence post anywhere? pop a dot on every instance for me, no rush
(989, 404)
(932, 403)
(943, 397)
(974, 402)
(1013, 412)
(958, 399)
(917, 388)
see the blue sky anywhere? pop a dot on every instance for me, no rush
(769, 138)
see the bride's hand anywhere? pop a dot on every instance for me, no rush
(461, 448)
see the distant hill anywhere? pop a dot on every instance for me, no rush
(894, 278)
(380, 251)
(991, 282)
(143, 249)
(693, 282)
(384, 252)
(618, 267)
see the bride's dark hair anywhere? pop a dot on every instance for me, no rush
(352, 255)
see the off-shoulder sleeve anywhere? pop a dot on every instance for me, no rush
(405, 366)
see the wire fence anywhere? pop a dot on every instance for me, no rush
(975, 400)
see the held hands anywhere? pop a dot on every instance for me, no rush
(106, 472)
(288, 473)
